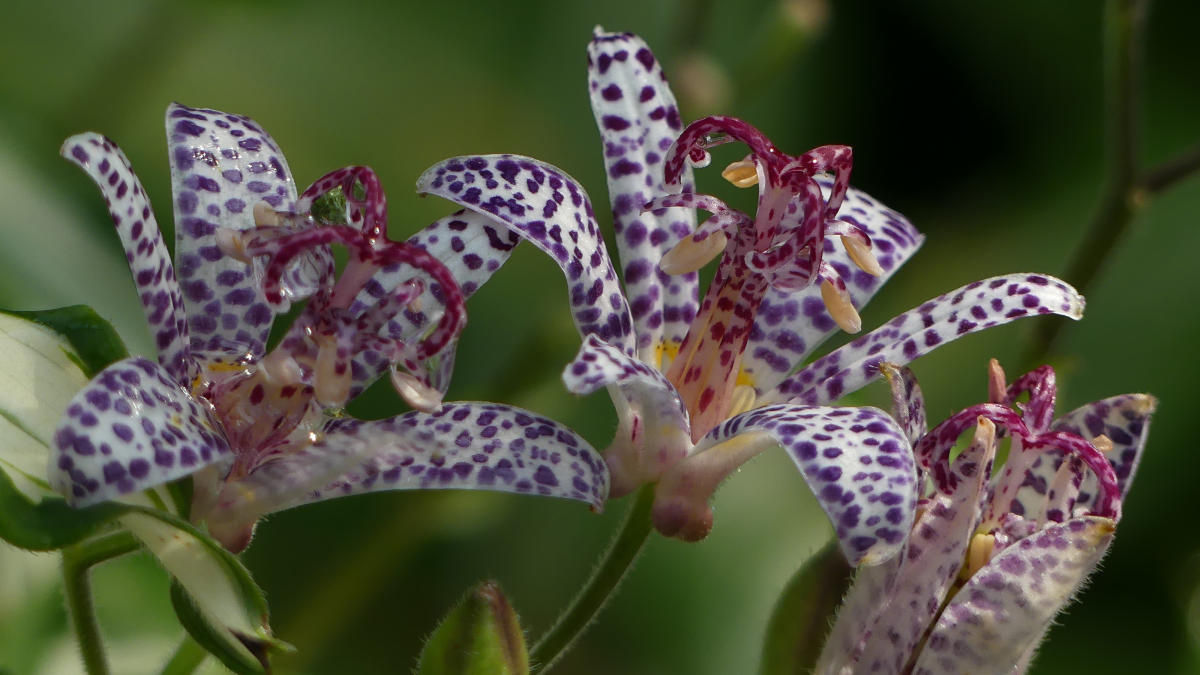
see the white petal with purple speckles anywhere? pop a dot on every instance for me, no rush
(994, 620)
(132, 427)
(479, 446)
(221, 166)
(547, 207)
(638, 121)
(856, 461)
(790, 325)
(466, 242)
(654, 430)
(149, 262)
(908, 403)
(969, 309)
(1125, 420)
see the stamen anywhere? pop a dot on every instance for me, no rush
(742, 400)
(862, 255)
(415, 392)
(997, 383)
(1103, 443)
(690, 255)
(232, 243)
(742, 174)
(979, 553)
(265, 216)
(837, 301)
(281, 369)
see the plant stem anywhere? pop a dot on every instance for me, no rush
(77, 562)
(599, 588)
(187, 657)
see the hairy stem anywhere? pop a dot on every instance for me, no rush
(599, 588)
(187, 657)
(77, 562)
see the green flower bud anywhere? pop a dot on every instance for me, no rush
(480, 636)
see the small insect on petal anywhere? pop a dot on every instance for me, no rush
(742, 174)
(690, 255)
(837, 301)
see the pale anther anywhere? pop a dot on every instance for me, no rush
(742, 174)
(690, 255)
(1103, 443)
(232, 243)
(862, 255)
(979, 553)
(837, 301)
(416, 393)
(265, 216)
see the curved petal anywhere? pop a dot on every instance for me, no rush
(791, 324)
(1125, 420)
(653, 433)
(479, 446)
(548, 208)
(638, 121)
(908, 402)
(969, 309)
(994, 620)
(855, 460)
(132, 427)
(149, 261)
(472, 248)
(221, 166)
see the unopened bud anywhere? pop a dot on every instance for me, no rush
(480, 636)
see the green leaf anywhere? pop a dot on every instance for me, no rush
(94, 340)
(804, 612)
(49, 524)
(480, 636)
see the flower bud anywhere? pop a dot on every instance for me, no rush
(480, 636)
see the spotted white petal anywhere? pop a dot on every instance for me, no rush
(222, 165)
(996, 618)
(132, 427)
(791, 324)
(548, 208)
(638, 121)
(972, 308)
(149, 262)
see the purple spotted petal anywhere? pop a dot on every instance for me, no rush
(995, 619)
(472, 247)
(547, 207)
(479, 446)
(856, 461)
(654, 430)
(932, 560)
(221, 166)
(638, 121)
(969, 309)
(791, 324)
(132, 427)
(149, 261)
(1125, 420)
(908, 403)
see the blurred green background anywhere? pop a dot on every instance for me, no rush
(981, 122)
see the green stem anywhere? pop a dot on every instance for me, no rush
(599, 588)
(77, 563)
(187, 657)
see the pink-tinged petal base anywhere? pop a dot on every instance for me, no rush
(132, 427)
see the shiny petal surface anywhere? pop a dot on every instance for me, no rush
(855, 460)
(132, 427)
(548, 208)
(221, 166)
(1124, 419)
(791, 324)
(638, 121)
(969, 309)
(995, 618)
(475, 446)
(145, 250)
(472, 247)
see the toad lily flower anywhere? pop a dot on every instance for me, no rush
(258, 430)
(700, 388)
(994, 555)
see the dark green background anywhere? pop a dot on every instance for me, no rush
(982, 123)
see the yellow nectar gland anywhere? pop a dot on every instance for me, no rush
(979, 553)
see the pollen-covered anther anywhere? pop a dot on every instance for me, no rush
(1103, 443)
(690, 255)
(742, 174)
(416, 393)
(232, 243)
(837, 301)
(979, 553)
(265, 216)
(859, 250)
(997, 383)
(742, 400)
(331, 379)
